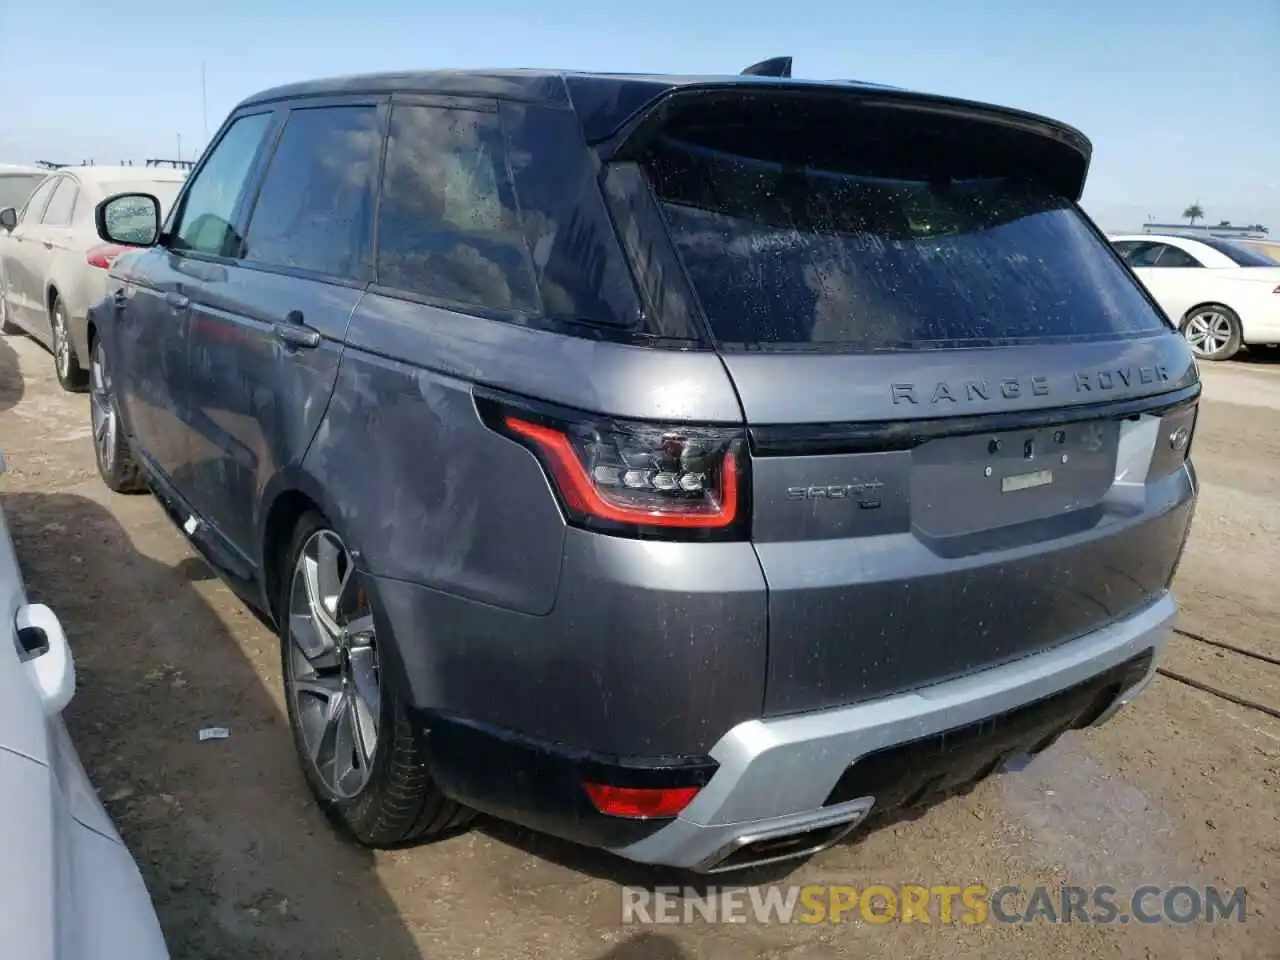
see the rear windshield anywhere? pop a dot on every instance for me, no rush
(16, 188)
(802, 257)
(1239, 254)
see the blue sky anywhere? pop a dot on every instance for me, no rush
(1180, 97)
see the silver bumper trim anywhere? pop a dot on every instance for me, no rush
(775, 774)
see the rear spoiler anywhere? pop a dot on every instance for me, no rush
(1051, 152)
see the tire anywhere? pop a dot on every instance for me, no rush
(384, 796)
(71, 376)
(1213, 331)
(116, 464)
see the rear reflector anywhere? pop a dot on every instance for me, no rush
(640, 803)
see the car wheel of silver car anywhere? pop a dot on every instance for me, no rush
(359, 750)
(67, 365)
(1213, 331)
(111, 447)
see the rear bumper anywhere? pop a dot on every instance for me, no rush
(777, 778)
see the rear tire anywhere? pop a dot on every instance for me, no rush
(359, 749)
(71, 376)
(1213, 331)
(116, 465)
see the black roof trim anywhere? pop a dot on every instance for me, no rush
(606, 103)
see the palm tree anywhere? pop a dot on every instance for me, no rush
(1193, 213)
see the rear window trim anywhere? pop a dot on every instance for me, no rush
(769, 440)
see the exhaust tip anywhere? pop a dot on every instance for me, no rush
(756, 848)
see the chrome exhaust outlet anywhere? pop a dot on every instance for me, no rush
(758, 845)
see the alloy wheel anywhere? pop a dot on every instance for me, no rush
(61, 342)
(1208, 332)
(332, 666)
(102, 409)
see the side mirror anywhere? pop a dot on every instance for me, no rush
(128, 219)
(8, 219)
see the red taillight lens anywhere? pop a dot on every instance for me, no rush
(640, 803)
(638, 478)
(104, 256)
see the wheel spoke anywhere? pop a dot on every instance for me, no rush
(317, 644)
(344, 750)
(332, 572)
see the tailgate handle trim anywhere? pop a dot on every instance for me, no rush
(833, 438)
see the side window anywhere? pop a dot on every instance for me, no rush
(315, 209)
(58, 212)
(37, 201)
(1177, 257)
(205, 224)
(1124, 248)
(448, 227)
(1145, 255)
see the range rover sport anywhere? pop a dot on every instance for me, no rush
(682, 466)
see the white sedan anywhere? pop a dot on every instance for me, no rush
(1221, 295)
(53, 267)
(69, 887)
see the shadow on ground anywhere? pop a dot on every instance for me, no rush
(11, 383)
(1258, 356)
(209, 823)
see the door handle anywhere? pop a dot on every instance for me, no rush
(48, 244)
(178, 301)
(119, 298)
(296, 335)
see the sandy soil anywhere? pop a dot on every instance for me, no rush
(1182, 787)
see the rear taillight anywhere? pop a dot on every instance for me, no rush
(104, 256)
(636, 479)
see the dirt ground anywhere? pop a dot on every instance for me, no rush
(1181, 788)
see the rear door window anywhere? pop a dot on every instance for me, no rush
(498, 210)
(448, 226)
(798, 257)
(1177, 257)
(62, 204)
(315, 209)
(36, 203)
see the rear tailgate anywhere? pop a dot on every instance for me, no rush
(968, 422)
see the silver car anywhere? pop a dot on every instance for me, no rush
(70, 888)
(52, 264)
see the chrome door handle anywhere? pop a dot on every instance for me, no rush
(177, 300)
(295, 335)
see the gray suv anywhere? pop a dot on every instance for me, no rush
(682, 466)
